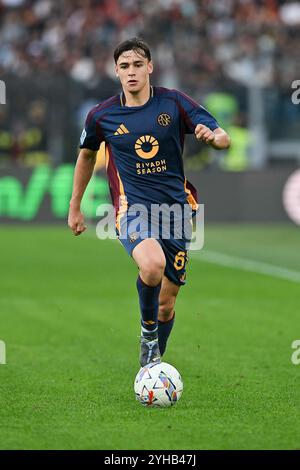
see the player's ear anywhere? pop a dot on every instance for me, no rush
(116, 70)
(150, 67)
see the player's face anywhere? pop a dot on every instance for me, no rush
(133, 71)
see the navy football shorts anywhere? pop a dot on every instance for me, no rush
(174, 244)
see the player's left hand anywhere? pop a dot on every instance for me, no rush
(76, 221)
(204, 133)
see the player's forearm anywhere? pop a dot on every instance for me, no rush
(82, 175)
(221, 139)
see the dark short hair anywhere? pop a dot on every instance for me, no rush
(133, 44)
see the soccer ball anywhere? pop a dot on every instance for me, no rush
(158, 385)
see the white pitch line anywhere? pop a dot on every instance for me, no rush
(229, 261)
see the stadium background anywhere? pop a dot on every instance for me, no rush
(67, 382)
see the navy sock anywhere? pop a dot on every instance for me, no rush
(148, 297)
(164, 330)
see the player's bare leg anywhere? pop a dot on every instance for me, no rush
(166, 312)
(150, 258)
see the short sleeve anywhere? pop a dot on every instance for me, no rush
(91, 136)
(193, 114)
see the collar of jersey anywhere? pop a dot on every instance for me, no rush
(122, 99)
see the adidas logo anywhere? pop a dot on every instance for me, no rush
(121, 130)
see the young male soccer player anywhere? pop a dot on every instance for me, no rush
(143, 129)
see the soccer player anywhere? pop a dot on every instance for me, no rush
(143, 129)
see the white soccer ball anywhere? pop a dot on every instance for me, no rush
(158, 385)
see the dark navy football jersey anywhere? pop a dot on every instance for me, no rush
(144, 146)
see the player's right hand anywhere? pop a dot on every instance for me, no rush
(76, 222)
(204, 133)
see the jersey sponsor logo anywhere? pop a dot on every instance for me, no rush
(122, 130)
(145, 168)
(146, 146)
(164, 119)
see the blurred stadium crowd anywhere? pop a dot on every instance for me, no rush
(56, 60)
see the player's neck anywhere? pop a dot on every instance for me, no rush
(139, 98)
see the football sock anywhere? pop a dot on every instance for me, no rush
(148, 297)
(164, 330)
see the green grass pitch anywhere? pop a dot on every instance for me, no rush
(69, 318)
